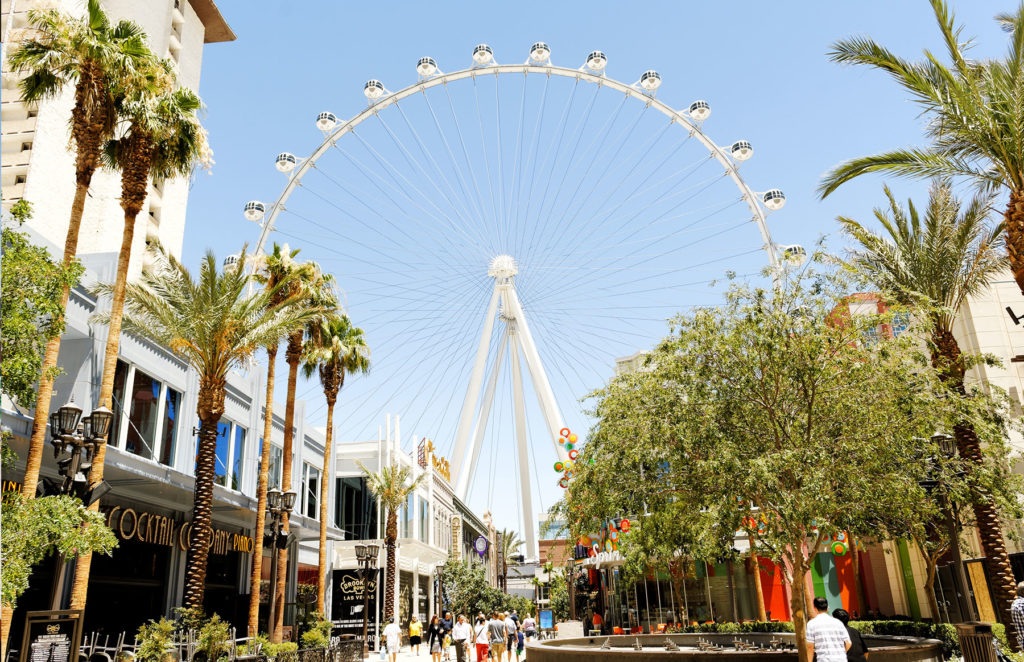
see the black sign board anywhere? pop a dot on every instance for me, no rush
(347, 603)
(52, 636)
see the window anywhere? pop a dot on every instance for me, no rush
(237, 456)
(143, 416)
(424, 520)
(19, 179)
(899, 324)
(355, 510)
(26, 147)
(274, 466)
(120, 375)
(172, 401)
(223, 459)
(311, 491)
(407, 513)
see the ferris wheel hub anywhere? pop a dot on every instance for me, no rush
(503, 266)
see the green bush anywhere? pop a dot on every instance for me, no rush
(214, 638)
(155, 640)
(282, 652)
(318, 635)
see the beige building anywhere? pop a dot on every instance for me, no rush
(36, 163)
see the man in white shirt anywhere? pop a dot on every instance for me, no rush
(826, 635)
(393, 638)
(511, 630)
(462, 633)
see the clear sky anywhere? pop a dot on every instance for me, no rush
(414, 277)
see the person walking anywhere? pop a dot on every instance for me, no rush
(858, 650)
(1017, 614)
(496, 636)
(826, 637)
(529, 626)
(462, 633)
(447, 625)
(415, 634)
(393, 638)
(435, 638)
(481, 638)
(511, 630)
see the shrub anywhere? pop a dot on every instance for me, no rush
(213, 639)
(318, 635)
(156, 639)
(282, 652)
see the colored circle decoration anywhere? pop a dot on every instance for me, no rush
(569, 447)
(624, 525)
(564, 483)
(564, 432)
(559, 466)
(841, 536)
(584, 541)
(839, 549)
(573, 454)
(614, 535)
(572, 438)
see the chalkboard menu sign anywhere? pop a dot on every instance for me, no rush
(52, 636)
(347, 603)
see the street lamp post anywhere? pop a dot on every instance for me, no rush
(278, 503)
(366, 555)
(947, 447)
(76, 440)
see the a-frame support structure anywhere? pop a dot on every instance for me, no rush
(517, 341)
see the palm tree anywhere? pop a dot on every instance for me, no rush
(510, 544)
(334, 349)
(274, 269)
(315, 290)
(91, 55)
(947, 256)
(162, 140)
(216, 326)
(974, 113)
(392, 485)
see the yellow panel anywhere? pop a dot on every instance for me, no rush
(981, 597)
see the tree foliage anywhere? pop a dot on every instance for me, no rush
(32, 529)
(466, 591)
(30, 310)
(778, 412)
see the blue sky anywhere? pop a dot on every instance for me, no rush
(762, 67)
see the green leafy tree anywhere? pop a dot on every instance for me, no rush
(941, 258)
(776, 401)
(392, 486)
(211, 322)
(34, 317)
(92, 56)
(333, 349)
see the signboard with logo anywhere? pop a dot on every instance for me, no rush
(347, 603)
(52, 636)
(142, 526)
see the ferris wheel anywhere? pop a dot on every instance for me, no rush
(504, 214)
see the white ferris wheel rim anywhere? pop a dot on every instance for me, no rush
(681, 117)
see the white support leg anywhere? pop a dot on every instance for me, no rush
(524, 461)
(462, 482)
(473, 392)
(545, 396)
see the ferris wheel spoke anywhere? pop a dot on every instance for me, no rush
(513, 195)
(482, 214)
(532, 161)
(483, 148)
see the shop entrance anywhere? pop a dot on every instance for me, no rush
(127, 588)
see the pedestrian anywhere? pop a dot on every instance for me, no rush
(393, 638)
(1017, 615)
(415, 634)
(481, 638)
(496, 634)
(529, 626)
(826, 636)
(858, 650)
(511, 630)
(462, 634)
(447, 625)
(435, 638)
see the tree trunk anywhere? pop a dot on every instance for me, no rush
(292, 355)
(81, 584)
(797, 605)
(211, 407)
(858, 583)
(762, 615)
(931, 563)
(325, 484)
(261, 499)
(5, 628)
(1015, 235)
(34, 459)
(947, 357)
(390, 536)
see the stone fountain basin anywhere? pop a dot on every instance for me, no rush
(584, 649)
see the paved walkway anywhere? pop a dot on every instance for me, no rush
(406, 655)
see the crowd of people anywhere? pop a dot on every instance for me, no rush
(493, 637)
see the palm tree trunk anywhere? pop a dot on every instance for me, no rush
(81, 584)
(5, 628)
(211, 407)
(261, 499)
(1014, 218)
(325, 483)
(292, 355)
(34, 459)
(391, 534)
(1000, 574)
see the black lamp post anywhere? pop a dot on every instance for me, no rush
(947, 448)
(366, 555)
(278, 503)
(75, 442)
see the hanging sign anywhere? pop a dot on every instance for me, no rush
(481, 545)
